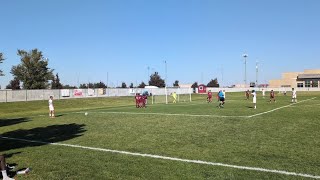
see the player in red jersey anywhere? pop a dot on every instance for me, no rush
(272, 96)
(209, 98)
(247, 94)
(137, 100)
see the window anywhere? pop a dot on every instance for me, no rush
(299, 84)
(307, 84)
(314, 83)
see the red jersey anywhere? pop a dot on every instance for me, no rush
(272, 94)
(210, 94)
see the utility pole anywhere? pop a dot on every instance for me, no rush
(245, 69)
(257, 73)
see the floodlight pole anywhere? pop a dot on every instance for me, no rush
(245, 69)
(257, 73)
(165, 83)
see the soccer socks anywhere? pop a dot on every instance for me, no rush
(5, 176)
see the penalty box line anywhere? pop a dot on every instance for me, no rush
(172, 158)
(166, 114)
(280, 108)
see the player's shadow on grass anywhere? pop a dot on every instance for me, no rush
(12, 121)
(40, 136)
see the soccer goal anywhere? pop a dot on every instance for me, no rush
(166, 95)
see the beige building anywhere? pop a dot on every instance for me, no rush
(308, 78)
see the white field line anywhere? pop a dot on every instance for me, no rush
(165, 114)
(279, 108)
(172, 158)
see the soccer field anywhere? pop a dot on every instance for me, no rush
(189, 140)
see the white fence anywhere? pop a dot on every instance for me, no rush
(44, 94)
(33, 95)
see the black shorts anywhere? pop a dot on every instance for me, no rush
(221, 98)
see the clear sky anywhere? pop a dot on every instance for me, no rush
(85, 40)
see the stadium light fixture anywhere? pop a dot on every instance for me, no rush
(245, 69)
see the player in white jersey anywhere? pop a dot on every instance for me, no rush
(294, 95)
(263, 93)
(51, 108)
(254, 98)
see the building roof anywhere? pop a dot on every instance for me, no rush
(309, 76)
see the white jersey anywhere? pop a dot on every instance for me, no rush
(263, 92)
(50, 102)
(51, 108)
(294, 94)
(254, 99)
(224, 94)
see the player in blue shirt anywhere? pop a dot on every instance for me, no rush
(221, 99)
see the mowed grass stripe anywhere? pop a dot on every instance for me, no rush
(171, 158)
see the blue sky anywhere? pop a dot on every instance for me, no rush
(199, 39)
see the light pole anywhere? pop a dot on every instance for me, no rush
(257, 73)
(245, 69)
(165, 83)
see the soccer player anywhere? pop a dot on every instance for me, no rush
(4, 166)
(263, 93)
(254, 99)
(209, 98)
(174, 95)
(221, 98)
(51, 108)
(294, 95)
(247, 94)
(272, 96)
(137, 100)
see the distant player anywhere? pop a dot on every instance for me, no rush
(294, 95)
(209, 98)
(247, 94)
(51, 108)
(272, 96)
(263, 93)
(137, 100)
(221, 99)
(174, 95)
(254, 99)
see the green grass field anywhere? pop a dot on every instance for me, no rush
(275, 136)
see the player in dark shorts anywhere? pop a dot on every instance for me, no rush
(272, 96)
(221, 99)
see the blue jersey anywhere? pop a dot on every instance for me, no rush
(221, 94)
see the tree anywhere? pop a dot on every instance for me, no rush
(1, 61)
(83, 86)
(67, 86)
(33, 71)
(123, 85)
(194, 85)
(56, 83)
(131, 85)
(213, 83)
(14, 84)
(142, 85)
(155, 80)
(99, 85)
(176, 83)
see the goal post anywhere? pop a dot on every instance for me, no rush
(165, 95)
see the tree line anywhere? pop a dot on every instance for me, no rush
(33, 73)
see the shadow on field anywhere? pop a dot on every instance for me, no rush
(43, 135)
(13, 121)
